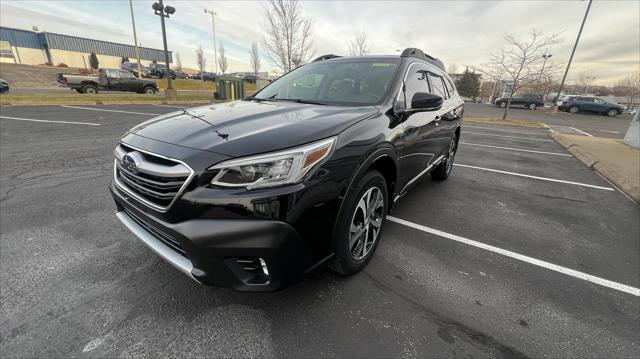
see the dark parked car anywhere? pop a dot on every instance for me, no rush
(208, 76)
(4, 86)
(530, 101)
(255, 194)
(575, 104)
(250, 78)
(180, 74)
(133, 68)
(160, 71)
(107, 80)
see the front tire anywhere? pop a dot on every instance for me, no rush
(443, 170)
(149, 90)
(360, 225)
(612, 113)
(502, 104)
(532, 106)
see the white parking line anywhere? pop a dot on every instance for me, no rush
(535, 177)
(517, 137)
(516, 149)
(537, 262)
(105, 110)
(505, 129)
(608, 131)
(580, 131)
(62, 122)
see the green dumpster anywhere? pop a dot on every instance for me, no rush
(229, 88)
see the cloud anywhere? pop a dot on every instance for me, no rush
(461, 32)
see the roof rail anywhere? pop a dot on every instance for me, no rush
(326, 57)
(418, 54)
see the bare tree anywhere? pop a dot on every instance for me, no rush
(585, 80)
(453, 68)
(222, 61)
(178, 62)
(201, 62)
(629, 87)
(520, 63)
(359, 45)
(254, 57)
(288, 38)
(200, 59)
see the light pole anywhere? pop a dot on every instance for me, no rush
(165, 11)
(213, 27)
(135, 39)
(545, 57)
(554, 108)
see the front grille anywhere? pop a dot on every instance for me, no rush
(163, 237)
(155, 180)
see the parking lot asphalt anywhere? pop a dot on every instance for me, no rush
(577, 124)
(523, 252)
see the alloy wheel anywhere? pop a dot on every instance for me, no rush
(451, 154)
(366, 223)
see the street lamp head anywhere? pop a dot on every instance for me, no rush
(156, 6)
(170, 10)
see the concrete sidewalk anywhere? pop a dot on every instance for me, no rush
(614, 160)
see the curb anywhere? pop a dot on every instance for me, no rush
(608, 172)
(508, 122)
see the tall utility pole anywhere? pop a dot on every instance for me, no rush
(554, 108)
(213, 27)
(135, 39)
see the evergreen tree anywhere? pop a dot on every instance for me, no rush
(468, 84)
(93, 61)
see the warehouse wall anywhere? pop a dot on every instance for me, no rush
(26, 56)
(74, 59)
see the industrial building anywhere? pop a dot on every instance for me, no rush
(37, 48)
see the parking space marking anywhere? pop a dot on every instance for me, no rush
(516, 149)
(62, 122)
(105, 110)
(537, 262)
(606, 131)
(580, 131)
(503, 129)
(517, 137)
(535, 177)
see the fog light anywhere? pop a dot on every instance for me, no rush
(263, 264)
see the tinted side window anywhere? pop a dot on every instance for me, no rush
(416, 82)
(585, 99)
(125, 74)
(437, 86)
(112, 74)
(450, 88)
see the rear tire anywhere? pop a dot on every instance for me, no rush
(90, 89)
(443, 170)
(363, 215)
(574, 109)
(532, 106)
(502, 104)
(612, 113)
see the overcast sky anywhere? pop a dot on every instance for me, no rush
(460, 32)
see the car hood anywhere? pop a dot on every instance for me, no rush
(244, 128)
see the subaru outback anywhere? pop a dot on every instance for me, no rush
(255, 194)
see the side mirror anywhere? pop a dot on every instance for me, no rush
(423, 101)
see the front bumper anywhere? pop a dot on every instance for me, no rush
(218, 251)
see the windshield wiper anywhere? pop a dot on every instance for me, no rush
(298, 100)
(253, 98)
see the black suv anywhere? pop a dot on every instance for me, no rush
(160, 71)
(256, 193)
(528, 100)
(575, 104)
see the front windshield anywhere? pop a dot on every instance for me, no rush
(350, 82)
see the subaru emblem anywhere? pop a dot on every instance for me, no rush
(129, 164)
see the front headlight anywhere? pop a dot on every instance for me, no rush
(272, 169)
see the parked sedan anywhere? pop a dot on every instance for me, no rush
(528, 100)
(590, 104)
(180, 74)
(4, 86)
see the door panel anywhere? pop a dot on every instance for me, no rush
(420, 128)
